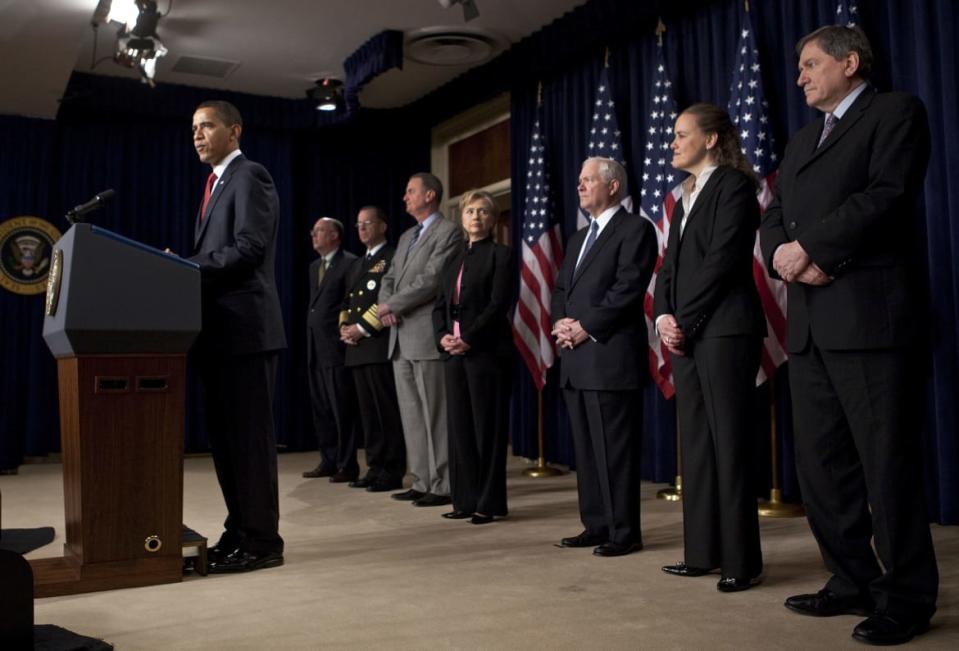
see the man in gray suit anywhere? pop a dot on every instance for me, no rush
(407, 293)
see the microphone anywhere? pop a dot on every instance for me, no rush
(96, 202)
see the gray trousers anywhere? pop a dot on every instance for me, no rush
(421, 393)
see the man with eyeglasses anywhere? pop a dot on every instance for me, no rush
(331, 387)
(367, 343)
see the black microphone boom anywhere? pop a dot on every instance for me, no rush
(76, 212)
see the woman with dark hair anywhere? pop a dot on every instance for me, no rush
(472, 328)
(709, 317)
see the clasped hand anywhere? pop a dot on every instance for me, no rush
(454, 345)
(385, 314)
(672, 335)
(350, 334)
(569, 333)
(793, 264)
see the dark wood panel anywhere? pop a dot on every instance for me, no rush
(122, 473)
(480, 159)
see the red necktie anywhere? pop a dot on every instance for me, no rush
(210, 180)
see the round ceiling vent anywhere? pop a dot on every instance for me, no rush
(451, 48)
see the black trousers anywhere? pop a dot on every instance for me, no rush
(333, 400)
(238, 392)
(477, 412)
(715, 389)
(380, 415)
(860, 471)
(606, 439)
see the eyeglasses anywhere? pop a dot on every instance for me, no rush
(365, 224)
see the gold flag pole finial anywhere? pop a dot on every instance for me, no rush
(539, 94)
(606, 58)
(746, 2)
(660, 30)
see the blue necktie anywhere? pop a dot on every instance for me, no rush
(590, 240)
(416, 236)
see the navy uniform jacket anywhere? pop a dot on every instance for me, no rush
(359, 306)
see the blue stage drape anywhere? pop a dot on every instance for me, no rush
(915, 52)
(116, 133)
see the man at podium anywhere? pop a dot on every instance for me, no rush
(237, 351)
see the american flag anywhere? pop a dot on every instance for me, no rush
(749, 112)
(605, 138)
(661, 188)
(542, 256)
(847, 13)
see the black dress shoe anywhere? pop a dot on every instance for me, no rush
(617, 549)
(885, 630)
(383, 485)
(433, 500)
(681, 569)
(408, 496)
(241, 561)
(827, 603)
(584, 539)
(361, 483)
(319, 471)
(219, 552)
(342, 477)
(457, 515)
(482, 519)
(732, 584)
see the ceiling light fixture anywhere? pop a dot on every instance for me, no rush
(469, 8)
(138, 45)
(327, 94)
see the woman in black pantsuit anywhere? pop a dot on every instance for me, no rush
(709, 316)
(471, 324)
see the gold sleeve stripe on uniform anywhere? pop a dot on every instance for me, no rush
(344, 316)
(370, 318)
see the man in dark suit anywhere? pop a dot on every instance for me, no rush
(837, 232)
(366, 357)
(600, 327)
(237, 351)
(331, 387)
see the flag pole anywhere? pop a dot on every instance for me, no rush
(775, 507)
(674, 493)
(541, 469)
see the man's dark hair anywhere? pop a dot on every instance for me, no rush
(837, 41)
(224, 110)
(430, 182)
(378, 213)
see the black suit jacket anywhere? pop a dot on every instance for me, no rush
(706, 279)
(606, 295)
(359, 306)
(851, 204)
(235, 246)
(484, 300)
(324, 347)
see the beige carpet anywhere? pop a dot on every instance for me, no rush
(364, 571)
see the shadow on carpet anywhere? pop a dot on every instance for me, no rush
(22, 541)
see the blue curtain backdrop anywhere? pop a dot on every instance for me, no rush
(114, 133)
(118, 134)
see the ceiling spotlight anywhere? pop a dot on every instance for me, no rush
(138, 45)
(327, 94)
(469, 8)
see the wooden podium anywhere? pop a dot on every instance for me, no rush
(120, 317)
